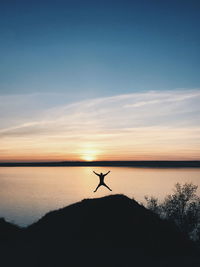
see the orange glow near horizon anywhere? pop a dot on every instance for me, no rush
(116, 148)
(92, 156)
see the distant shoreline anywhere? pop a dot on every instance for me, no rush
(139, 164)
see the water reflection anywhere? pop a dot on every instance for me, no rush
(27, 193)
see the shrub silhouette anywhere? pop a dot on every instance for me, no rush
(181, 207)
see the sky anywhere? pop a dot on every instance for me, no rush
(99, 80)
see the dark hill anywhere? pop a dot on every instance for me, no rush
(8, 230)
(114, 220)
(109, 231)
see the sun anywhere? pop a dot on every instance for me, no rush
(89, 155)
(88, 158)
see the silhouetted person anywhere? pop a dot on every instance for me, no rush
(101, 182)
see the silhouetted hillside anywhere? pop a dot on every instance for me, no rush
(8, 230)
(109, 231)
(117, 220)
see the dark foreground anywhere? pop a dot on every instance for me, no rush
(109, 231)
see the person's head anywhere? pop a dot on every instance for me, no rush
(101, 173)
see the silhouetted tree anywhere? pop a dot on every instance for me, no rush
(181, 207)
(152, 204)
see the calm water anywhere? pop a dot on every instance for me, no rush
(27, 193)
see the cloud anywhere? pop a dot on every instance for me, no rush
(149, 124)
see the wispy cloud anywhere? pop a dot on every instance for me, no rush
(154, 124)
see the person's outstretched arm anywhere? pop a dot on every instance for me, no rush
(96, 173)
(106, 173)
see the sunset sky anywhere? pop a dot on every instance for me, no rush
(99, 80)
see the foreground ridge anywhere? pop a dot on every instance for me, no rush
(122, 230)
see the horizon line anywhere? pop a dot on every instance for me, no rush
(62, 161)
(135, 163)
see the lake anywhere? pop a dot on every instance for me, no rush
(27, 193)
